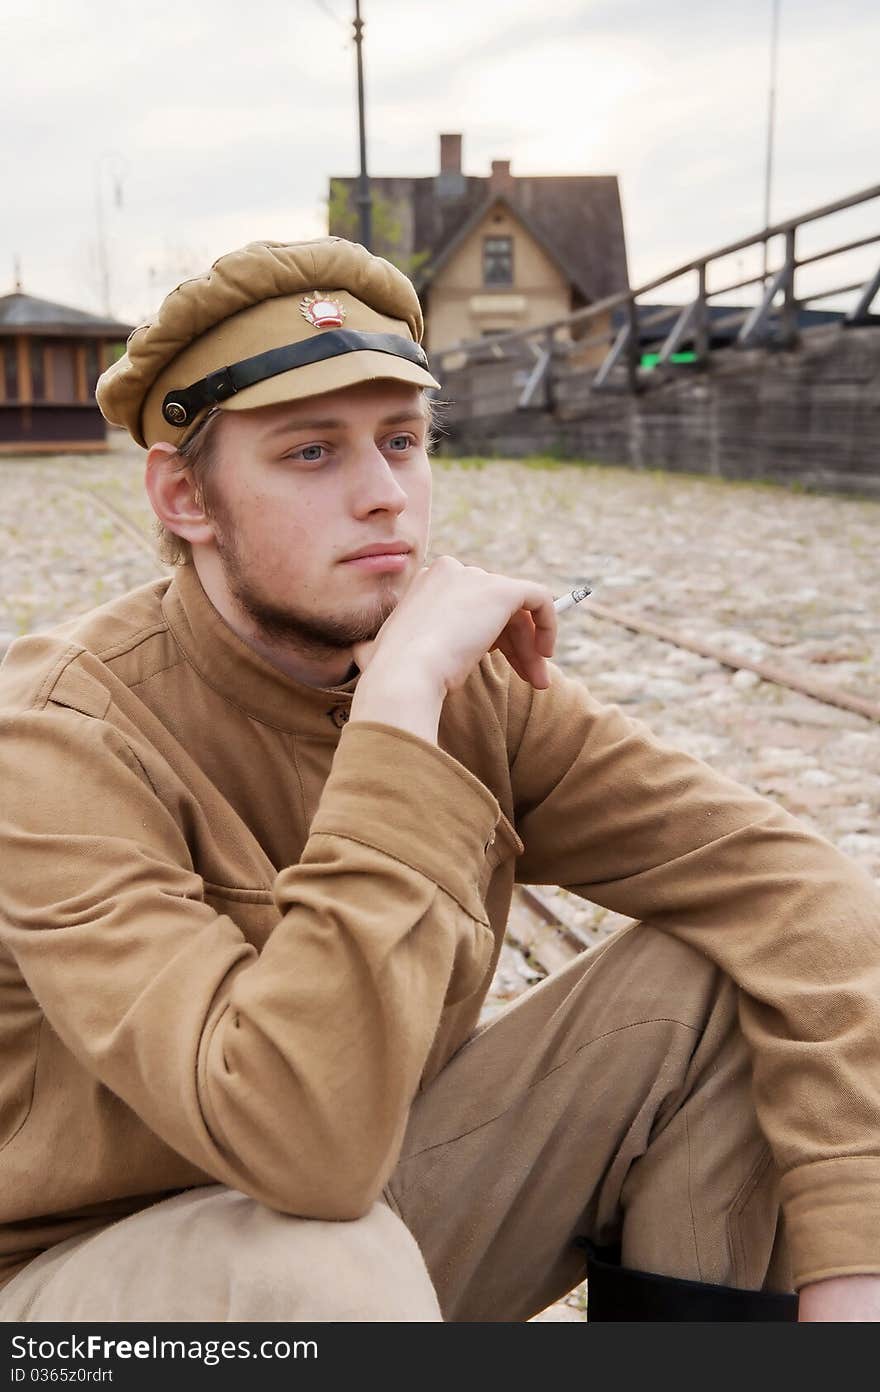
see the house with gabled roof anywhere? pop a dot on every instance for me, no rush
(51, 356)
(493, 254)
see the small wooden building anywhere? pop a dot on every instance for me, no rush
(51, 357)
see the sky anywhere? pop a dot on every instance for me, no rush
(168, 134)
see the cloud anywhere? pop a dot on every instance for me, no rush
(224, 122)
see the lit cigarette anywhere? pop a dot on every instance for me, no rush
(573, 597)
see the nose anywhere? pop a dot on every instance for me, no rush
(375, 486)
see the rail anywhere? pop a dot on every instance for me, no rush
(532, 354)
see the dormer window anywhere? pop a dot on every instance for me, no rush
(497, 260)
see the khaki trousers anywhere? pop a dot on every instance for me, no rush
(612, 1101)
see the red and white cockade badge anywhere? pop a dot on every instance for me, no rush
(321, 311)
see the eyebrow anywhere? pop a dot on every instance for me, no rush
(329, 423)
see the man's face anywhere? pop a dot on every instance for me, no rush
(294, 489)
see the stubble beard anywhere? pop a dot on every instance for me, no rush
(312, 635)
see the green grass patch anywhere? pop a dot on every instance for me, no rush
(551, 462)
(465, 461)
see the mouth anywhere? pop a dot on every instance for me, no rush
(378, 560)
(380, 548)
(379, 556)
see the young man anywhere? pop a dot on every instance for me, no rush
(261, 827)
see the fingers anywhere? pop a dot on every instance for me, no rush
(505, 646)
(545, 620)
(530, 636)
(527, 595)
(521, 629)
(518, 645)
(451, 614)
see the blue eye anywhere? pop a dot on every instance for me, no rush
(311, 454)
(400, 442)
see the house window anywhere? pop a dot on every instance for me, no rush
(497, 260)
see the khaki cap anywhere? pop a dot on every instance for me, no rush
(274, 321)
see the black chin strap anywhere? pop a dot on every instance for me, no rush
(183, 404)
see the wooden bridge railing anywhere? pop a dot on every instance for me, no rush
(534, 355)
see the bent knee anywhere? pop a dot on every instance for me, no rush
(213, 1254)
(663, 977)
(367, 1268)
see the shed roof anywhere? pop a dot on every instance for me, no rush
(21, 313)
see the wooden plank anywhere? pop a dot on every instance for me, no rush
(633, 346)
(612, 358)
(54, 447)
(681, 332)
(538, 941)
(537, 374)
(788, 317)
(758, 317)
(82, 390)
(25, 380)
(860, 312)
(701, 334)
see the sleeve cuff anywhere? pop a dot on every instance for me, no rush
(408, 799)
(832, 1218)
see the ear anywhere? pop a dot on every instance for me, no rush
(173, 495)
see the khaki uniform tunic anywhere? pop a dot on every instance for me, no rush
(237, 935)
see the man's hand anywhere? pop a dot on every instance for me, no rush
(850, 1298)
(449, 618)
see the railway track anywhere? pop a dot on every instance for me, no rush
(92, 494)
(116, 515)
(543, 927)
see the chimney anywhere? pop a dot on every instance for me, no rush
(450, 154)
(501, 179)
(450, 182)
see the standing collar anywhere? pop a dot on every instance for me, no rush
(226, 663)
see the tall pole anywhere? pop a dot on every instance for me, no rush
(771, 122)
(363, 197)
(103, 256)
(112, 163)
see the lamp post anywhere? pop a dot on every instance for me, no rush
(771, 121)
(117, 167)
(363, 198)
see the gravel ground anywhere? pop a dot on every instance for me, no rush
(758, 571)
